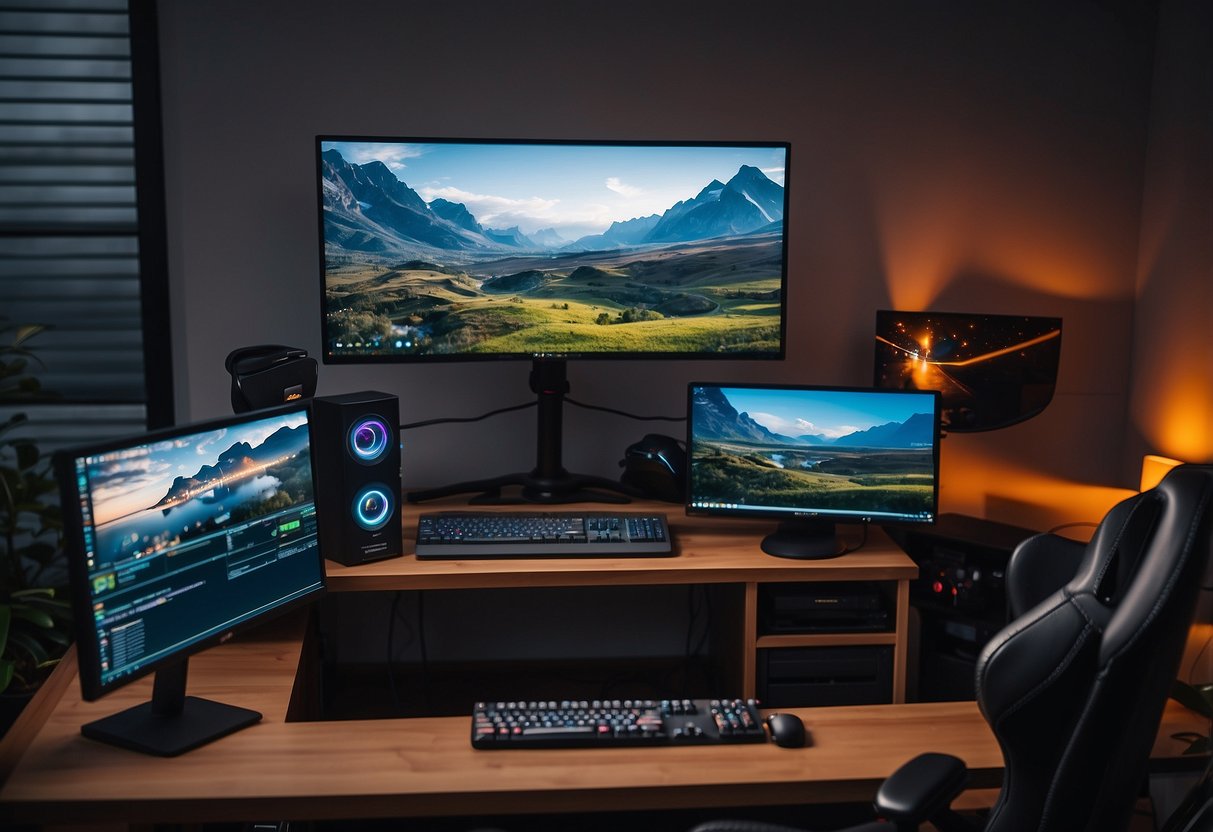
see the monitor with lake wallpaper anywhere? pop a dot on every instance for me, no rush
(176, 540)
(992, 370)
(812, 457)
(477, 249)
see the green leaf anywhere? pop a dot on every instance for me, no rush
(25, 332)
(38, 618)
(6, 617)
(29, 645)
(13, 421)
(32, 592)
(7, 667)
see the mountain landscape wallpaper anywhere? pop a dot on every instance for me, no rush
(153, 497)
(443, 248)
(868, 452)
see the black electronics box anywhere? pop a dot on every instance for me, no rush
(816, 676)
(959, 598)
(823, 607)
(962, 563)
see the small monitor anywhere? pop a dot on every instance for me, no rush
(176, 540)
(812, 457)
(993, 370)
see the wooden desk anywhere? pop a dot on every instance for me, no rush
(280, 769)
(426, 767)
(709, 551)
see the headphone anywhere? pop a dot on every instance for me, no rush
(268, 374)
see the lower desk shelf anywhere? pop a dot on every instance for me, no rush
(714, 552)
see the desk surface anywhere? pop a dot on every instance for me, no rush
(426, 767)
(707, 550)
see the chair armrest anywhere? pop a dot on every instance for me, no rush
(921, 788)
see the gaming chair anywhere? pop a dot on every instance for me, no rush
(1074, 686)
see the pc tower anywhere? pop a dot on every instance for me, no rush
(358, 476)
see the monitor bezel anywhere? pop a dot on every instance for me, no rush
(829, 516)
(87, 646)
(421, 358)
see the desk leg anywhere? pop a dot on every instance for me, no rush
(733, 636)
(901, 642)
(749, 640)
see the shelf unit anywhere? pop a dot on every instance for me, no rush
(713, 552)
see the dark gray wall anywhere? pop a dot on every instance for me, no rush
(945, 155)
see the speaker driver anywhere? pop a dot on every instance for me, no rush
(369, 438)
(373, 507)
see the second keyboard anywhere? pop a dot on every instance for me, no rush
(510, 534)
(600, 724)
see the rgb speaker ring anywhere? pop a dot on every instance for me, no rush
(368, 440)
(373, 506)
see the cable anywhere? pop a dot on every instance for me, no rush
(391, 633)
(862, 541)
(624, 413)
(425, 659)
(454, 419)
(448, 420)
(1076, 524)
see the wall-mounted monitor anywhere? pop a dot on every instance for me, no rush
(992, 370)
(176, 540)
(812, 457)
(479, 249)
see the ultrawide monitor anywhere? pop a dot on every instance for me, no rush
(177, 539)
(478, 249)
(812, 457)
(447, 249)
(992, 370)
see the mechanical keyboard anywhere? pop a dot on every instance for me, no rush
(498, 534)
(607, 723)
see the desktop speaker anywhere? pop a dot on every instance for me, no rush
(357, 450)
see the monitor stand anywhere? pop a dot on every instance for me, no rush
(803, 540)
(549, 482)
(171, 723)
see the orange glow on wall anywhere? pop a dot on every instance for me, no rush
(1007, 491)
(1154, 468)
(1176, 415)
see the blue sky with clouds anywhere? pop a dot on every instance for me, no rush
(832, 413)
(577, 189)
(137, 478)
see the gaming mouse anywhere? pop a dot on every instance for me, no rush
(786, 730)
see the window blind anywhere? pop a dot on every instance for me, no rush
(69, 244)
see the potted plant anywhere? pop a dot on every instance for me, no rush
(34, 617)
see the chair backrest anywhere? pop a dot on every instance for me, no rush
(1074, 688)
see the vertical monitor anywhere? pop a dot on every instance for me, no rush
(176, 540)
(812, 457)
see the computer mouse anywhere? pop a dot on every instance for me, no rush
(787, 730)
